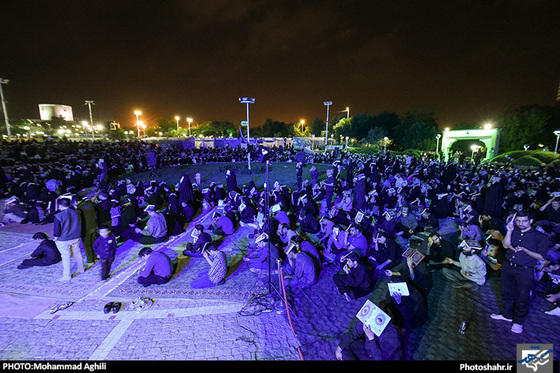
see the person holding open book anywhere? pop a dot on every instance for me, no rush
(472, 269)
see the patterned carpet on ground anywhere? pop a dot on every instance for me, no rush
(239, 284)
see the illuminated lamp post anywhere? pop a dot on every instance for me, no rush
(247, 101)
(137, 112)
(437, 144)
(177, 119)
(557, 133)
(302, 122)
(89, 103)
(189, 120)
(5, 81)
(327, 104)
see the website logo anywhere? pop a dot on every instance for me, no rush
(534, 358)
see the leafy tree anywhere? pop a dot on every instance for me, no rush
(317, 127)
(524, 125)
(376, 138)
(417, 131)
(343, 128)
(271, 128)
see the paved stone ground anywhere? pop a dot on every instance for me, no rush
(236, 321)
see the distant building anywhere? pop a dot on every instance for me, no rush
(49, 111)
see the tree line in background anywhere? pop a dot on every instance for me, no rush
(526, 125)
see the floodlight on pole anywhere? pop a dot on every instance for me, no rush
(347, 112)
(557, 133)
(5, 81)
(438, 136)
(189, 120)
(137, 112)
(89, 103)
(177, 119)
(327, 104)
(247, 101)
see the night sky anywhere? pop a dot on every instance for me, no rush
(465, 61)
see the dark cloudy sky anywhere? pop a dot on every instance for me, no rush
(466, 61)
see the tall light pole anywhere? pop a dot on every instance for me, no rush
(347, 112)
(302, 122)
(189, 120)
(137, 112)
(437, 144)
(177, 119)
(89, 103)
(327, 104)
(5, 81)
(247, 101)
(557, 133)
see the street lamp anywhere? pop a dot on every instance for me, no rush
(327, 104)
(141, 124)
(437, 144)
(137, 112)
(189, 120)
(487, 126)
(247, 101)
(385, 140)
(5, 81)
(347, 112)
(302, 123)
(177, 119)
(557, 133)
(89, 103)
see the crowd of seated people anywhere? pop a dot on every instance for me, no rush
(360, 216)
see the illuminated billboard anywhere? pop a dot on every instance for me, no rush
(49, 111)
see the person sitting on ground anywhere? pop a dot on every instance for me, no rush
(200, 239)
(493, 254)
(355, 280)
(361, 343)
(154, 231)
(157, 270)
(356, 241)
(215, 275)
(385, 251)
(470, 231)
(438, 250)
(411, 311)
(285, 234)
(299, 269)
(417, 275)
(105, 246)
(15, 211)
(261, 262)
(472, 272)
(45, 254)
(222, 225)
(308, 223)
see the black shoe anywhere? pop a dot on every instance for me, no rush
(116, 307)
(222, 282)
(108, 307)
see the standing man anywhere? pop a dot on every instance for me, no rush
(66, 231)
(87, 213)
(329, 188)
(525, 246)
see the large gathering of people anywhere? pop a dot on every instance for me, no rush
(468, 220)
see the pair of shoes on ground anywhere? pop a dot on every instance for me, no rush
(515, 328)
(61, 306)
(142, 303)
(112, 306)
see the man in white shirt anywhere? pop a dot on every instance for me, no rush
(472, 273)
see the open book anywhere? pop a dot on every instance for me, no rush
(416, 255)
(374, 317)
